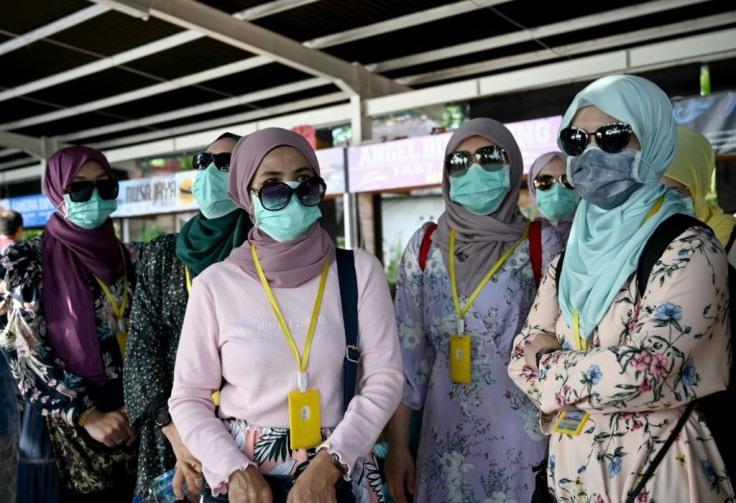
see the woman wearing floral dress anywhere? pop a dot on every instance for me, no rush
(167, 266)
(613, 373)
(65, 308)
(479, 436)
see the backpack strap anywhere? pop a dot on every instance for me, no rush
(426, 243)
(658, 242)
(558, 270)
(535, 249)
(349, 298)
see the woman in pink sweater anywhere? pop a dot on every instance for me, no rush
(267, 322)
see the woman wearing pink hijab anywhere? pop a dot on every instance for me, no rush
(265, 327)
(65, 298)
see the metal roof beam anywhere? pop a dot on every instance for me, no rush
(270, 8)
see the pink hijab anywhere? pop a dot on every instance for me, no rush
(481, 240)
(68, 254)
(564, 224)
(287, 264)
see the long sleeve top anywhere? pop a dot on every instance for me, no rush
(230, 331)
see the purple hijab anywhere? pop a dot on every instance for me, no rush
(68, 253)
(287, 264)
(481, 239)
(564, 224)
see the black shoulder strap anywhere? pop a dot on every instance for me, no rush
(558, 271)
(349, 298)
(658, 242)
(731, 239)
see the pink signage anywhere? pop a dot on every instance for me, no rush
(417, 162)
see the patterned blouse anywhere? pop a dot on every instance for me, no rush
(44, 379)
(646, 361)
(157, 315)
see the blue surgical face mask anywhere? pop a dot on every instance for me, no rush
(210, 191)
(557, 202)
(90, 214)
(480, 191)
(288, 223)
(603, 179)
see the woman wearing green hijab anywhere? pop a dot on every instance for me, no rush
(168, 265)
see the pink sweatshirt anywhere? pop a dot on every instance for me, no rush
(230, 330)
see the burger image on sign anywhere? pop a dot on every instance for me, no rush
(185, 191)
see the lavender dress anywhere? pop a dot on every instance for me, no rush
(478, 441)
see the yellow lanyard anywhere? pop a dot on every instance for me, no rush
(302, 362)
(462, 312)
(583, 344)
(189, 280)
(121, 334)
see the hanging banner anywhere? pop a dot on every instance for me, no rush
(161, 194)
(35, 209)
(713, 115)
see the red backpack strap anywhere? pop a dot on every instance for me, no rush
(426, 243)
(535, 249)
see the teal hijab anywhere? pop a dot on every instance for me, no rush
(616, 237)
(204, 241)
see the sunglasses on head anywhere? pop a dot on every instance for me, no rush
(491, 158)
(81, 191)
(546, 182)
(611, 138)
(201, 160)
(275, 195)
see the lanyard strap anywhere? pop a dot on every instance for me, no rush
(119, 311)
(462, 312)
(189, 279)
(302, 362)
(583, 344)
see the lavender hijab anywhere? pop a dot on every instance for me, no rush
(564, 224)
(287, 264)
(68, 254)
(481, 240)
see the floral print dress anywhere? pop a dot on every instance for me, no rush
(645, 363)
(478, 441)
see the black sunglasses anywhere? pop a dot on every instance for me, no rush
(275, 195)
(201, 160)
(611, 138)
(491, 158)
(546, 182)
(81, 191)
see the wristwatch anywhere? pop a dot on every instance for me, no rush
(163, 418)
(542, 352)
(339, 464)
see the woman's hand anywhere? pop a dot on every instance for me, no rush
(187, 466)
(248, 486)
(399, 471)
(317, 483)
(110, 428)
(542, 340)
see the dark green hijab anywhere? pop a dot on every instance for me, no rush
(203, 241)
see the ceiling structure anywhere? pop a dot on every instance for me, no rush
(143, 78)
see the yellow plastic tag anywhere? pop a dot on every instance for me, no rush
(122, 338)
(571, 422)
(460, 359)
(304, 419)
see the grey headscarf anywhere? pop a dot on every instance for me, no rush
(481, 240)
(564, 224)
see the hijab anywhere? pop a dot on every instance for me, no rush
(693, 167)
(286, 264)
(68, 254)
(481, 240)
(563, 224)
(203, 241)
(604, 246)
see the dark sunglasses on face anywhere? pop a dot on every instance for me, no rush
(275, 195)
(81, 191)
(201, 160)
(546, 182)
(611, 138)
(491, 158)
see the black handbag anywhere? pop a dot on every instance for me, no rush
(541, 492)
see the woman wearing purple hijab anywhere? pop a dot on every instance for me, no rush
(65, 298)
(457, 316)
(552, 192)
(265, 327)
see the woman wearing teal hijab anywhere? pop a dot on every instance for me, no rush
(611, 372)
(168, 264)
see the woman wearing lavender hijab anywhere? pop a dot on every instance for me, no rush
(552, 192)
(457, 317)
(64, 316)
(268, 320)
